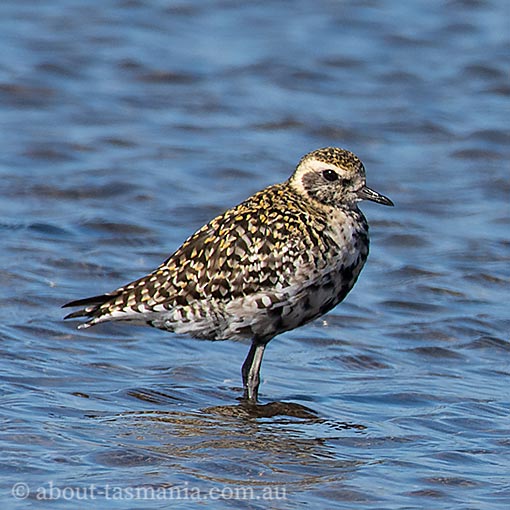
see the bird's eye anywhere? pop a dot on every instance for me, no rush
(330, 175)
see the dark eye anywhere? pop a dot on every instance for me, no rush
(330, 175)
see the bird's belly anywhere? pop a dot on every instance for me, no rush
(269, 313)
(318, 298)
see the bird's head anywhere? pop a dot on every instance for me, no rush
(334, 177)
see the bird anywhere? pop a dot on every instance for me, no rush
(283, 257)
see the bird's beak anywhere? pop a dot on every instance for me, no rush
(365, 193)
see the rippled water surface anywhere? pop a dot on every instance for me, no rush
(127, 124)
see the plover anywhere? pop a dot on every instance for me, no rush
(283, 257)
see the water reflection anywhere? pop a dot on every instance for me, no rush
(287, 443)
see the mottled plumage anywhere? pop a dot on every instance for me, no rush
(283, 257)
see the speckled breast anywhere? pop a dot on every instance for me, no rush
(319, 282)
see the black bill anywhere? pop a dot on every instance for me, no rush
(365, 193)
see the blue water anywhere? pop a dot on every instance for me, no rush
(126, 125)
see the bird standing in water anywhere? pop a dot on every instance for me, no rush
(283, 257)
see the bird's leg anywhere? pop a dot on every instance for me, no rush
(251, 371)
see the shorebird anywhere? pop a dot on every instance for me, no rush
(283, 257)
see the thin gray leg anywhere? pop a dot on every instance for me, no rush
(251, 371)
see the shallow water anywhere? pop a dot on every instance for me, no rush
(126, 126)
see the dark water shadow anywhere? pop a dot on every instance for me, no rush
(243, 410)
(278, 410)
(269, 410)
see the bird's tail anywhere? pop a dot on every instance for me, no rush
(91, 307)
